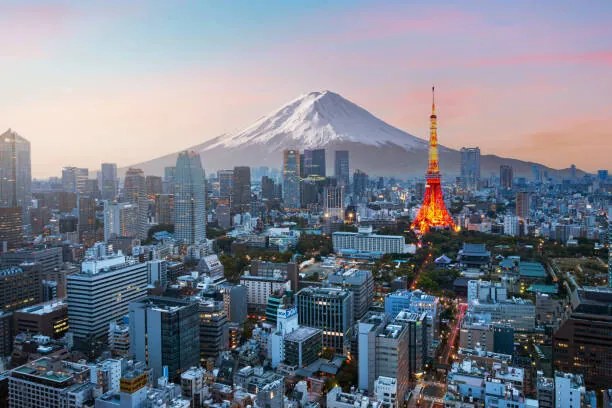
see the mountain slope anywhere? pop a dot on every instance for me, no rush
(327, 120)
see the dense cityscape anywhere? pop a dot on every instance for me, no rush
(303, 286)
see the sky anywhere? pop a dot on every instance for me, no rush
(124, 82)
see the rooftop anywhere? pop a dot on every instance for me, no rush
(302, 333)
(44, 308)
(532, 270)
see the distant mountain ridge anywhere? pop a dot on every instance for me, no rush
(327, 120)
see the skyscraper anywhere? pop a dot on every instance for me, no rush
(168, 182)
(314, 163)
(333, 202)
(291, 178)
(523, 204)
(506, 176)
(135, 192)
(341, 166)
(15, 171)
(165, 332)
(108, 181)
(226, 181)
(241, 190)
(190, 199)
(470, 167)
(360, 183)
(87, 219)
(74, 179)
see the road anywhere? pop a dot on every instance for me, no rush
(454, 333)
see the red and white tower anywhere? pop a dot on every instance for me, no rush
(433, 212)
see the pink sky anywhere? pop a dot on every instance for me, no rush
(103, 83)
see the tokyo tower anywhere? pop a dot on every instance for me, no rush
(433, 212)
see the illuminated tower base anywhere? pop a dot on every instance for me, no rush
(433, 212)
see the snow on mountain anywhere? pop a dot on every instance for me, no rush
(318, 119)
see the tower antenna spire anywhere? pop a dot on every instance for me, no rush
(433, 100)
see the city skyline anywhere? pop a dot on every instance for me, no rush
(526, 82)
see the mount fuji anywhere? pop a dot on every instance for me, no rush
(327, 120)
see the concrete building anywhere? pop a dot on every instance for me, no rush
(135, 192)
(241, 190)
(226, 181)
(506, 177)
(366, 241)
(486, 291)
(470, 168)
(47, 319)
(383, 351)
(164, 333)
(341, 167)
(385, 392)
(336, 398)
(120, 220)
(516, 312)
(213, 329)
(164, 209)
(259, 288)
(20, 286)
(358, 281)
(418, 340)
(108, 181)
(101, 293)
(193, 386)
(211, 267)
(302, 346)
(50, 382)
(569, 390)
(328, 309)
(15, 172)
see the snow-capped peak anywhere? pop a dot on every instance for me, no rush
(317, 119)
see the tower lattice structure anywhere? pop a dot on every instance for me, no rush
(433, 212)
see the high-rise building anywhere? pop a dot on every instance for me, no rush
(314, 163)
(583, 340)
(49, 259)
(341, 166)
(15, 178)
(108, 181)
(241, 190)
(11, 228)
(383, 351)
(333, 202)
(164, 208)
(153, 185)
(610, 246)
(360, 183)
(213, 330)
(358, 281)
(506, 176)
(74, 178)
(164, 333)
(87, 218)
(268, 190)
(523, 204)
(226, 181)
(291, 178)
(328, 309)
(20, 286)
(190, 199)
(169, 179)
(100, 294)
(120, 220)
(470, 167)
(135, 192)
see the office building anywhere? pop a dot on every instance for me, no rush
(328, 309)
(211, 267)
(583, 342)
(360, 183)
(360, 282)
(486, 291)
(20, 286)
(470, 168)
(169, 180)
(291, 178)
(341, 167)
(87, 218)
(226, 182)
(108, 181)
(47, 319)
(119, 338)
(73, 179)
(234, 302)
(120, 220)
(49, 259)
(365, 241)
(135, 192)
(15, 171)
(51, 382)
(164, 332)
(164, 209)
(190, 199)
(383, 351)
(336, 398)
(259, 288)
(333, 202)
(523, 205)
(101, 292)
(512, 225)
(313, 163)
(569, 390)
(516, 312)
(302, 346)
(241, 190)
(106, 374)
(417, 328)
(193, 386)
(213, 329)
(11, 228)
(506, 177)
(153, 185)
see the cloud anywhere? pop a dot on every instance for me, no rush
(601, 58)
